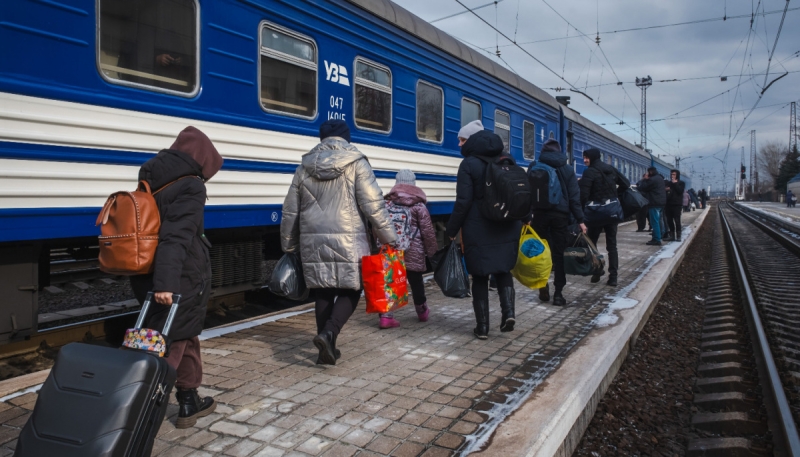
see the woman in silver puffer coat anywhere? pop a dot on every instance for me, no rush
(333, 191)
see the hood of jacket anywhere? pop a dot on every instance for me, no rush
(406, 195)
(484, 143)
(552, 158)
(329, 159)
(167, 166)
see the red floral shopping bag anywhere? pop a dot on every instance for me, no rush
(384, 276)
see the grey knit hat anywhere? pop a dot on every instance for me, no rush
(470, 129)
(406, 177)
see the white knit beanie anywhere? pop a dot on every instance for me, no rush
(470, 129)
(406, 177)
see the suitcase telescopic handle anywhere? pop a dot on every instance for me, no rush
(176, 298)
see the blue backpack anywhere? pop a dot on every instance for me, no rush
(545, 186)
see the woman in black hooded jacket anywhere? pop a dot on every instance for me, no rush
(490, 246)
(182, 262)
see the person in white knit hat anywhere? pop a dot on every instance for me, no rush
(415, 236)
(468, 130)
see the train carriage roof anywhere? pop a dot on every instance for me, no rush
(577, 118)
(402, 18)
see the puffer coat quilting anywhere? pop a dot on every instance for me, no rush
(333, 191)
(423, 242)
(489, 246)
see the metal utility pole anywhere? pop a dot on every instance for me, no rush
(753, 162)
(792, 127)
(644, 83)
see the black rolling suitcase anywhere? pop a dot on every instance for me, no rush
(100, 401)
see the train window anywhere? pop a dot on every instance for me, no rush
(470, 111)
(570, 157)
(149, 44)
(430, 112)
(502, 127)
(528, 140)
(373, 94)
(288, 72)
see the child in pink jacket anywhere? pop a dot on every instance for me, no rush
(415, 235)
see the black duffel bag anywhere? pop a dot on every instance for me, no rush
(632, 201)
(583, 261)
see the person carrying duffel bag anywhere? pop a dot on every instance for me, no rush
(600, 184)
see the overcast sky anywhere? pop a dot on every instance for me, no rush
(702, 50)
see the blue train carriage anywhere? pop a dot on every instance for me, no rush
(580, 134)
(93, 88)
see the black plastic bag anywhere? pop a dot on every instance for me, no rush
(287, 278)
(449, 272)
(632, 201)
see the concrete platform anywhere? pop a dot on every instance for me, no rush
(791, 215)
(422, 389)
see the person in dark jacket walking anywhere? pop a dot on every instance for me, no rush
(652, 188)
(182, 261)
(601, 182)
(490, 247)
(551, 224)
(675, 189)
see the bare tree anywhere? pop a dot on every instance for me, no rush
(770, 155)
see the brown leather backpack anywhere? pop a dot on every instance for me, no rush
(129, 224)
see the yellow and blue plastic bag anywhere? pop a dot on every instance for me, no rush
(534, 261)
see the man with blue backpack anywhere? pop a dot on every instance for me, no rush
(555, 198)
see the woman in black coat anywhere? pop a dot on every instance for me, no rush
(182, 261)
(490, 246)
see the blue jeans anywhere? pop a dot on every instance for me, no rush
(655, 223)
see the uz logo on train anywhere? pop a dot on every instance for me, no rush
(336, 73)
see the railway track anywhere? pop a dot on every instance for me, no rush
(751, 342)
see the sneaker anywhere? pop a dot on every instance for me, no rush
(389, 322)
(423, 312)
(653, 243)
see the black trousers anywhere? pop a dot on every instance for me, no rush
(611, 245)
(641, 218)
(334, 307)
(417, 287)
(552, 226)
(480, 284)
(674, 220)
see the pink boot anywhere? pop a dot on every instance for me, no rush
(423, 311)
(388, 322)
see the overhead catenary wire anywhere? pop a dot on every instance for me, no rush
(636, 29)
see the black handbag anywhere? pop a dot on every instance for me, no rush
(583, 261)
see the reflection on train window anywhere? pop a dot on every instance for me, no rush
(373, 88)
(150, 43)
(570, 157)
(502, 127)
(528, 140)
(288, 72)
(470, 111)
(430, 112)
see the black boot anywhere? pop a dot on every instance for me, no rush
(481, 308)
(507, 296)
(613, 267)
(324, 342)
(191, 407)
(544, 293)
(558, 298)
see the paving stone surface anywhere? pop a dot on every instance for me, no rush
(428, 389)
